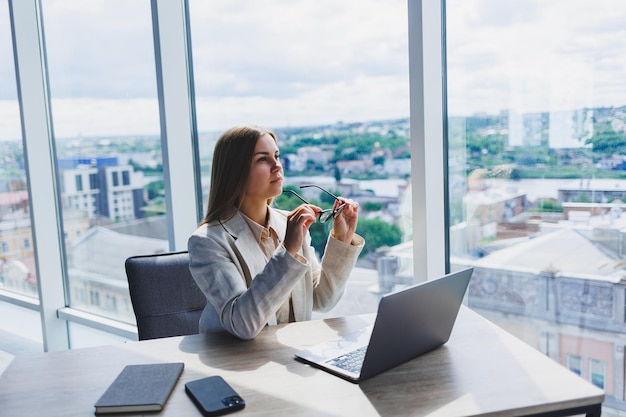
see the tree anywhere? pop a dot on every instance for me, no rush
(155, 189)
(606, 140)
(372, 206)
(378, 233)
(337, 174)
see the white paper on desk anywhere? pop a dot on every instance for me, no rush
(336, 347)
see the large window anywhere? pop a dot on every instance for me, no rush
(18, 272)
(106, 127)
(17, 266)
(537, 174)
(331, 79)
(535, 131)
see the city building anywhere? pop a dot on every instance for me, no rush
(99, 284)
(101, 187)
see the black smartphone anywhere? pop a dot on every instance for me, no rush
(213, 396)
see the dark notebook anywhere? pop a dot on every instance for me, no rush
(140, 388)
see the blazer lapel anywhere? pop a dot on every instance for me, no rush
(252, 258)
(298, 295)
(245, 245)
(278, 220)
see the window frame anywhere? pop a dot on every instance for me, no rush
(35, 113)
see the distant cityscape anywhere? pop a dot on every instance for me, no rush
(536, 205)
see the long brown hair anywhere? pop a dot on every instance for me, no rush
(231, 166)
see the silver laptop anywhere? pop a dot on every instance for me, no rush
(409, 323)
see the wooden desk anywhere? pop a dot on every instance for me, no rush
(481, 370)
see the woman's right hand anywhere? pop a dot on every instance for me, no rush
(298, 223)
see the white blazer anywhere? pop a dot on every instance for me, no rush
(244, 292)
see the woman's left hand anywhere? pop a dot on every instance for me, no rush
(344, 225)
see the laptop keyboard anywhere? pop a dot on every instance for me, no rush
(350, 361)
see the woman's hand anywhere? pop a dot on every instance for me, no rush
(344, 225)
(298, 223)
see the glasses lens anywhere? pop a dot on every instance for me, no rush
(331, 214)
(325, 216)
(339, 210)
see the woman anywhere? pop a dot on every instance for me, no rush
(253, 262)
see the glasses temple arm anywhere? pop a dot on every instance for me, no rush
(320, 188)
(297, 195)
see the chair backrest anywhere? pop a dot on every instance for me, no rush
(166, 300)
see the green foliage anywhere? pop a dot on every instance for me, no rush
(155, 207)
(348, 146)
(562, 172)
(337, 174)
(326, 199)
(606, 140)
(158, 169)
(155, 189)
(288, 201)
(485, 139)
(319, 235)
(549, 206)
(378, 233)
(492, 144)
(372, 206)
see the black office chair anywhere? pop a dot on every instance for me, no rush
(166, 300)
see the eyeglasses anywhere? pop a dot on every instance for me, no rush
(324, 215)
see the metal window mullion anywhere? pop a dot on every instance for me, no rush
(39, 151)
(428, 166)
(176, 105)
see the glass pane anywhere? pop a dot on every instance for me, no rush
(106, 125)
(537, 116)
(331, 79)
(18, 273)
(86, 336)
(22, 334)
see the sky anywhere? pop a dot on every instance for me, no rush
(289, 63)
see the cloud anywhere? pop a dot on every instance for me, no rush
(10, 127)
(276, 61)
(100, 49)
(284, 62)
(533, 55)
(105, 117)
(340, 101)
(287, 48)
(8, 89)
